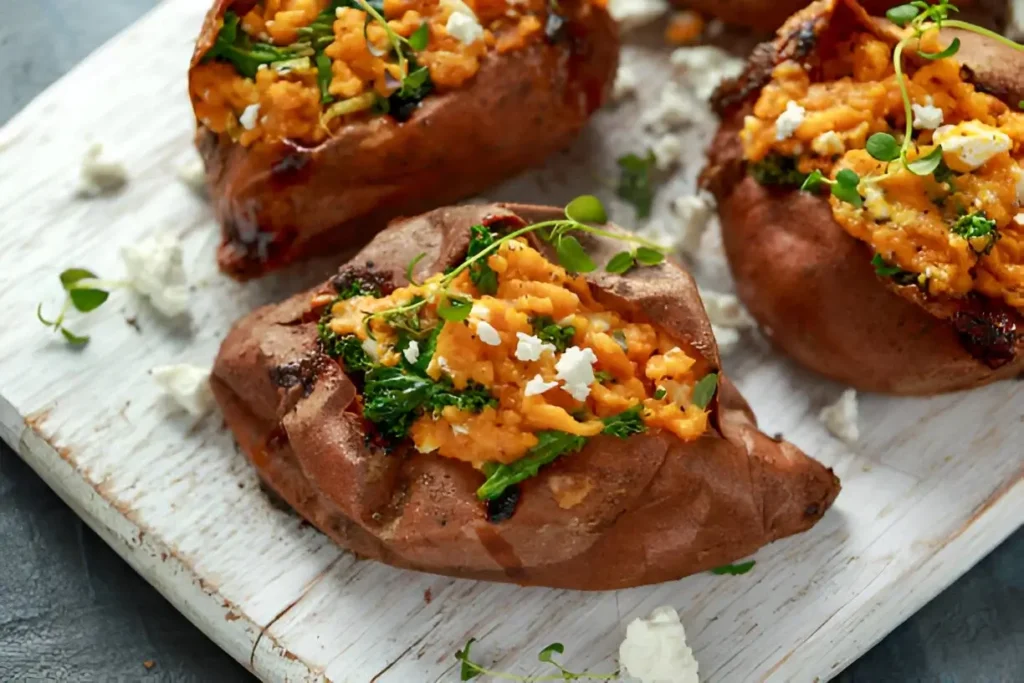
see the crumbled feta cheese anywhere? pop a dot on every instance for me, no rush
(412, 351)
(725, 310)
(537, 386)
(632, 14)
(625, 83)
(694, 213)
(840, 418)
(971, 142)
(531, 348)
(705, 67)
(789, 121)
(655, 649)
(926, 116)
(249, 116)
(675, 108)
(187, 385)
(874, 200)
(576, 369)
(193, 174)
(156, 270)
(1018, 179)
(99, 175)
(1019, 219)
(828, 144)
(464, 28)
(488, 335)
(668, 151)
(480, 312)
(371, 348)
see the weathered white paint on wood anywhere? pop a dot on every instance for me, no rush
(932, 486)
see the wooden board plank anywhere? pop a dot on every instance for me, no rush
(931, 487)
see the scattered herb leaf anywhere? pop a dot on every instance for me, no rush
(481, 274)
(883, 147)
(573, 256)
(734, 569)
(586, 209)
(814, 181)
(705, 389)
(626, 423)
(454, 309)
(635, 182)
(621, 263)
(547, 330)
(649, 257)
(420, 37)
(551, 445)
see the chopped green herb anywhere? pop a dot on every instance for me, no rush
(602, 376)
(415, 87)
(705, 389)
(355, 286)
(234, 46)
(660, 393)
(620, 338)
(926, 164)
(978, 230)
(572, 256)
(902, 14)
(845, 188)
(734, 569)
(323, 77)
(346, 348)
(777, 170)
(419, 38)
(481, 274)
(471, 669)
(885, 269)
(635, 182)
(473, 399)
(547, 330)
(551, 446)
(814, 181)
(626, 423)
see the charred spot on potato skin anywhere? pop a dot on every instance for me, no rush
(366, 276)
(812, 510)
(990, 335)
(502, 508)
(301, 372)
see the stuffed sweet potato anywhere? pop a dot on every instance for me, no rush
(319, 120)
(768, 15)
(900, 265)
(505, 420)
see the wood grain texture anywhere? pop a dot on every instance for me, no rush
(931, 487)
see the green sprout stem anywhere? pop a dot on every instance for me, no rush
(897, 59)
(395, 39)
(540, 679)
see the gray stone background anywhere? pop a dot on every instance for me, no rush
(72, 610)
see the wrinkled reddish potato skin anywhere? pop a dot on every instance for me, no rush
(768, 15)
(658, 509)
(283, 202)
(808, 283)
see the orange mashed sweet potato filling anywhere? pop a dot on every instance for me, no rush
(285, 100)
(911, 221)
(635, 363)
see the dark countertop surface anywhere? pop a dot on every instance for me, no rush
(72, 610)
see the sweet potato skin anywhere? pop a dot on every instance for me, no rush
(809, 284)
(658, 508)
(284, 202)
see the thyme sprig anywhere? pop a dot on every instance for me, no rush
(581, 215)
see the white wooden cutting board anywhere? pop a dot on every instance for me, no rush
(932, 485)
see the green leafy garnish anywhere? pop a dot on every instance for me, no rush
(234, 46)
(646, 256)
(660, 393)
(586, 209)
(888, 270)
(734, 569)
(547, 330)
(951, 50)
(704, 390)
(777, 170)
(473, 399)
(414, 88)
(454, 309)
(471, 669)
(346, 348)
(926, 164)
(883, 147)
(573, 257)
(813, 181)
(482, 275)
(84, 292)
(323, 77)
(902, 14)
(635, 182)
(845, 188)
(620, 338)
(621, 262)
(356, 286)
(410, 270)
(551, 445)
(419, 38)
(626, 423)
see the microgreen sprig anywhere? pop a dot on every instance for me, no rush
(844, 187)
(922, 17)
(471, 669)
(85, 293)
(580, 216)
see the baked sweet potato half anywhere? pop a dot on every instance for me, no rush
(319, 120)
(900, 265)
(456, 402)
(768, 15)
